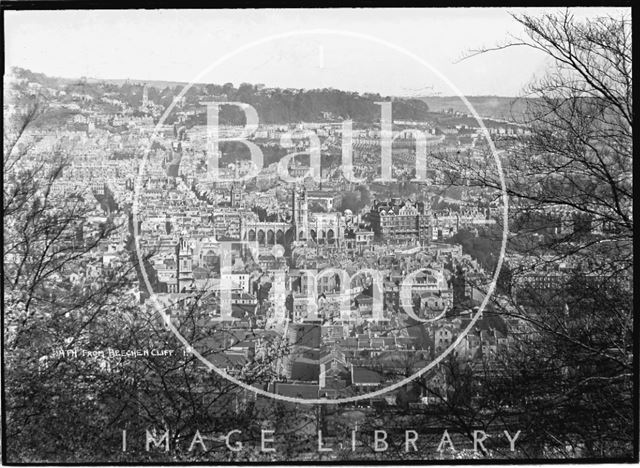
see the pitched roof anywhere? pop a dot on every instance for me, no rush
(361, 375)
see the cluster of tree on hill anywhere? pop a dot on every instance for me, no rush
(274, 105)
(284, 105)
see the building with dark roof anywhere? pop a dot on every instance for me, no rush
(363, 377)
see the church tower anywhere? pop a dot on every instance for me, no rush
(300, 215)
(185, 263)
(235, 196)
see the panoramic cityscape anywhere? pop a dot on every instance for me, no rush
(215, 271)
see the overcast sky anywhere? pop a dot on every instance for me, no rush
(179, 45)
